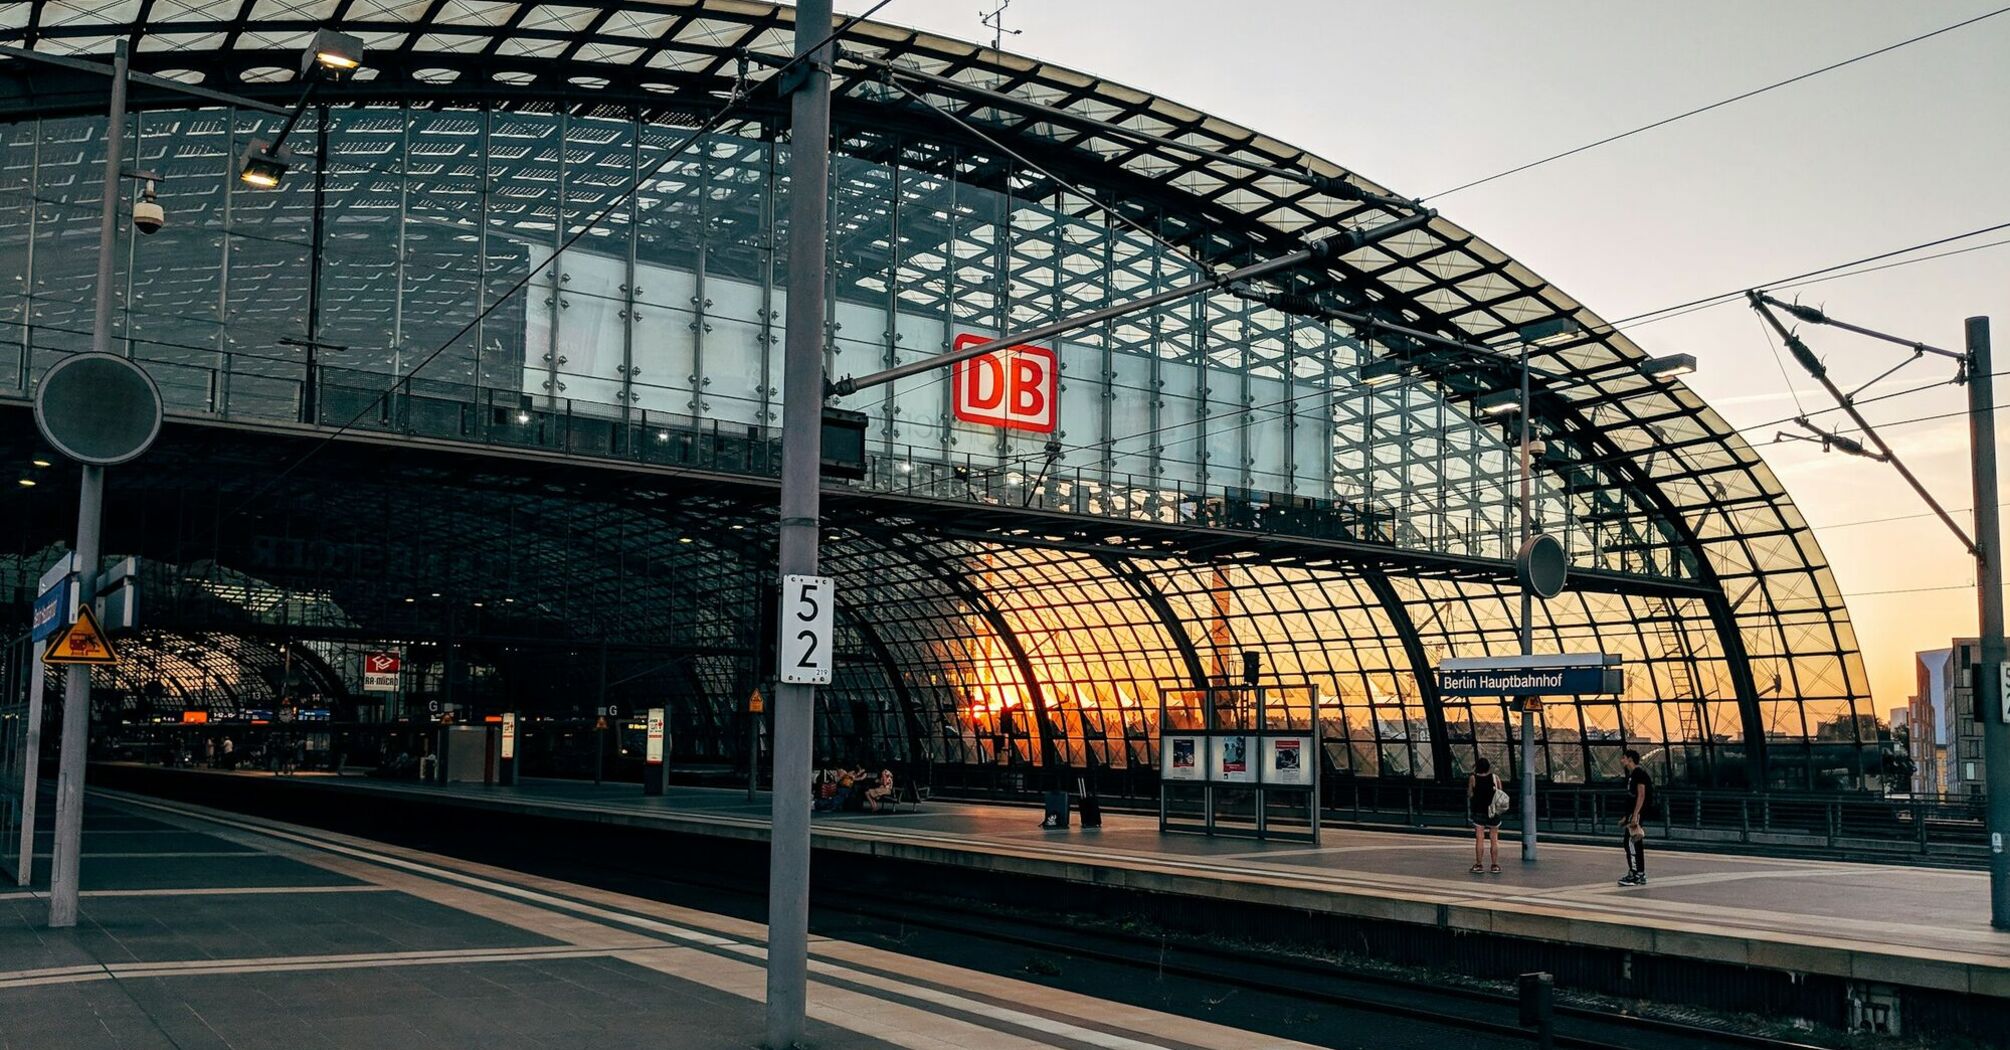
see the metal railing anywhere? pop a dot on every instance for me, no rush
(249, 386)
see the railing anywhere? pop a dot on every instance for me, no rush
(239, 385)
(1943, 828)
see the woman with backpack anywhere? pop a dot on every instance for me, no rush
(1485, 802)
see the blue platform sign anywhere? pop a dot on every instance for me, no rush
(51, 614)
(1587, 674)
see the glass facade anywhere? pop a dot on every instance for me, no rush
(504, 237)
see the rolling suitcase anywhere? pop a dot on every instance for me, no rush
(1090, 805)
(1057, 810)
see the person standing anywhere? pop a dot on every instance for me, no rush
(1482, 784)
(1639, 794)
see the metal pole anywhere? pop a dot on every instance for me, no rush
(802, 422)
(31, 761)
(90, 505)
(1989, 588)
(76, 716)
(1528, 833)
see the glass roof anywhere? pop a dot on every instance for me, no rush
(1219, 194)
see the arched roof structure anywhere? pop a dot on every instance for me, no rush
(998, 191)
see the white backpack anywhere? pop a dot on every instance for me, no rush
(1499, 803)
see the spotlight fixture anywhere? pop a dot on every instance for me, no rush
(1671, 366)
(1499, 403)
(1381, 372)
(1548, 328)
(332, 55)
(40, 462)
(264, 165)
(27, 483)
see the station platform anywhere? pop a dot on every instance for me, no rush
(204, 929)
(1883, 924)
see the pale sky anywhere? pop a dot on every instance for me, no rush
(1893, 151)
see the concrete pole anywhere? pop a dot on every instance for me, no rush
(1989, 593)
(76, 740)
(1528, 834)
(802, 423)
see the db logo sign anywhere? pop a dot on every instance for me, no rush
(1016, 387)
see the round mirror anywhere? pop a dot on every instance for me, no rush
(100, 409)
(1541, 566)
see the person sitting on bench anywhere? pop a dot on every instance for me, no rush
(882, 793)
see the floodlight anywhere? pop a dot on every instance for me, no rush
(332, 55)
(1381, 372)
(1671, 366)
(263, 166)
(1499, 403)
(1545, 329)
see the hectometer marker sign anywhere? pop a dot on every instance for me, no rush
(1568, 674)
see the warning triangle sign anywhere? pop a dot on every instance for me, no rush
(83, 642)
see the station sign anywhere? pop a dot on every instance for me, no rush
(1570, 674)
(50, 614)
(380, 672)
(55, 597)
(1017, 388)
(509, 734)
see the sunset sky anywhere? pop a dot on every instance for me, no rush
(1893, 151)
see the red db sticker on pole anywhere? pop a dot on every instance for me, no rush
(1017, 387)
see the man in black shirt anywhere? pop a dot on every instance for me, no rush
(1639, 791)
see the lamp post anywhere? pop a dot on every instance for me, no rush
(1528, 832)
(330, 51)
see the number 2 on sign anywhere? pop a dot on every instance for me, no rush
(806, 642)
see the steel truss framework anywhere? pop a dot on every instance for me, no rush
(486, 132)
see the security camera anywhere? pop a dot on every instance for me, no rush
(148, 217)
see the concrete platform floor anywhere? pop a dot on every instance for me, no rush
(207, 930)
(1925, 927)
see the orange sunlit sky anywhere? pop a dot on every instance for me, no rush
(1892, 151)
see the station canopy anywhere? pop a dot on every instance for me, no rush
(502, 232)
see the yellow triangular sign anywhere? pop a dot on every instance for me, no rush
(83, 642)
(754, 703)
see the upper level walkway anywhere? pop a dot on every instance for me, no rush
(1913, 926)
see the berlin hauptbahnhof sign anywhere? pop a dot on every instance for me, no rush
(1567, 674)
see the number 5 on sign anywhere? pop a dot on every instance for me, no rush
(806, 642)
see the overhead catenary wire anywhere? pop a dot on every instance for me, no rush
(1719, 104)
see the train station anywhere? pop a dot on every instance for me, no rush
(1196, 522)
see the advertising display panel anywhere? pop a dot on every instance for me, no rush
(1288, 761)
(654, 753)
(1182, 757)
(1232, 759)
